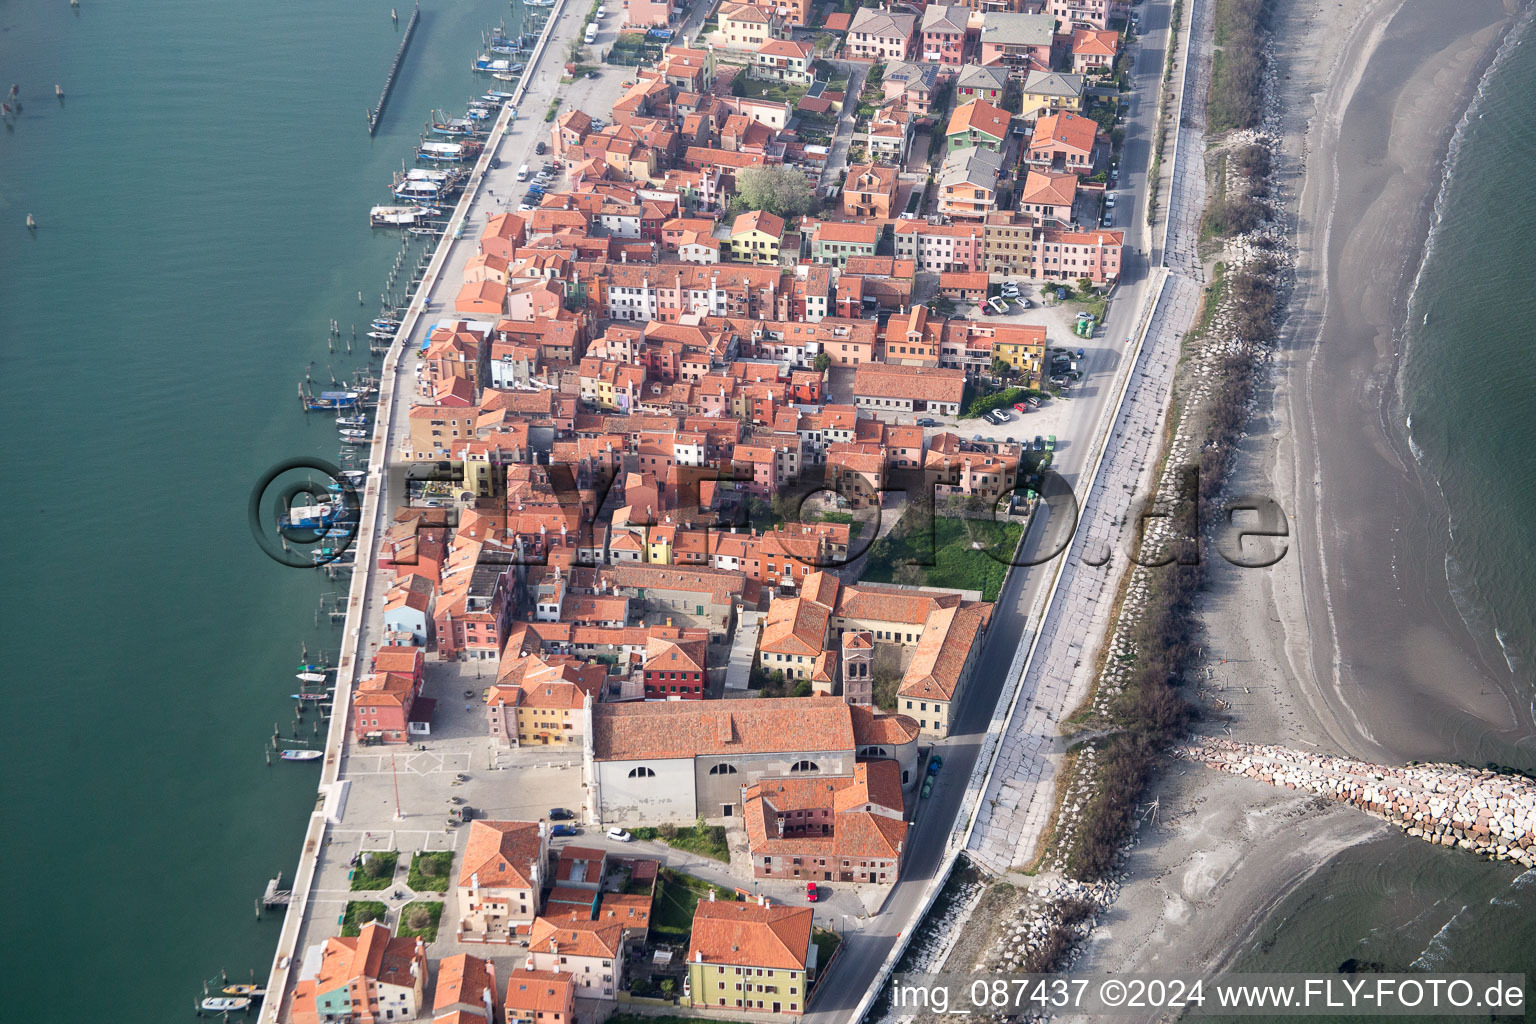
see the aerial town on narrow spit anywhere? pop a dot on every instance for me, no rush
(691, 504)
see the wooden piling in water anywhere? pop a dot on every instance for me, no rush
(377, 112)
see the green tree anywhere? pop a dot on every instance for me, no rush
(822, 362)
(780, 190)
(802, 689)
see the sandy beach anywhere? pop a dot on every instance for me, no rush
(1349, 644)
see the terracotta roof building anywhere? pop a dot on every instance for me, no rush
(500, 877)
(845, 829)
(676, 761)
(750, 957)
(372, 977)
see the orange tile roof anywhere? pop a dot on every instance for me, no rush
(980, 116)
(535, 993)
(1050, 189)
(1066, 129)
(678, 729)
(750, 935)
(948, 636)
(574, 933)
(501, 854)
(1097, 42)
(464, 979)
(758, 220)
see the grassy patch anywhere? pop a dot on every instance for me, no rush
(760, 89)
(704, 840)
(676, 897)
(429, 871)
(376, 872)
(998, 400)
(826, 944)
(554, 109)
(359, 913)
(964, 554)
(420, 918)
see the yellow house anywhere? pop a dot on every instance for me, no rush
(750, 958)
(1046, 92)
(658, 545)
(756, 236)
(1021, 346)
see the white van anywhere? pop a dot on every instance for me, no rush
(591, 36)
(522, 173)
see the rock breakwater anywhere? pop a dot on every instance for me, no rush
(1491, 813)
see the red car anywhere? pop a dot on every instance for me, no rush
(1021, 406)
(810, 891)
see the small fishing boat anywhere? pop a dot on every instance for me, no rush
(385, 323)
(224, 1004)
(311, 677)
(354, 476)
(308, 517)
(307, 696)
(292, 755)
(433, 232)
(456, 127)
(353, 432)
(448, 152)
(538, 3)
(498, 94)
(504, 76)
(351, 421)
(400, 216)
(494, 65)
(382, 335)
(347, 437)
(244, 990)
(333, 400)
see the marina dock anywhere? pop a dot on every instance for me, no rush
(394, 70)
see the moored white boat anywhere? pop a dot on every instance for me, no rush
(311, 677)
(400, 216)
(295, 755)
(224, 1004)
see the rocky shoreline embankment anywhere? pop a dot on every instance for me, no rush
(1488, 812)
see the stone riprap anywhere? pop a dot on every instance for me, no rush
(1446, 804)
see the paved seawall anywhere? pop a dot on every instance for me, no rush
(1449, 805)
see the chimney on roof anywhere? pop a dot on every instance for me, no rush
(711, 895)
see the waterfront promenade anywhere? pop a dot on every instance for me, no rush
(355, 805)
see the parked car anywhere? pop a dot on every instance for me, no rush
(1107, 220)
(1050, 442)
(1010, 290)
(1026, 303)
(927, 422)
(563, 830)
(618, 835)
(1039, 443)
(466, 813)
(997, 305)
(561, 814)
(810, 892)
(1021, 407)
(540, 148)
(1085, 315)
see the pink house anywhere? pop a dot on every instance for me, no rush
(760, 462)
(647, 13)
(943, 35)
